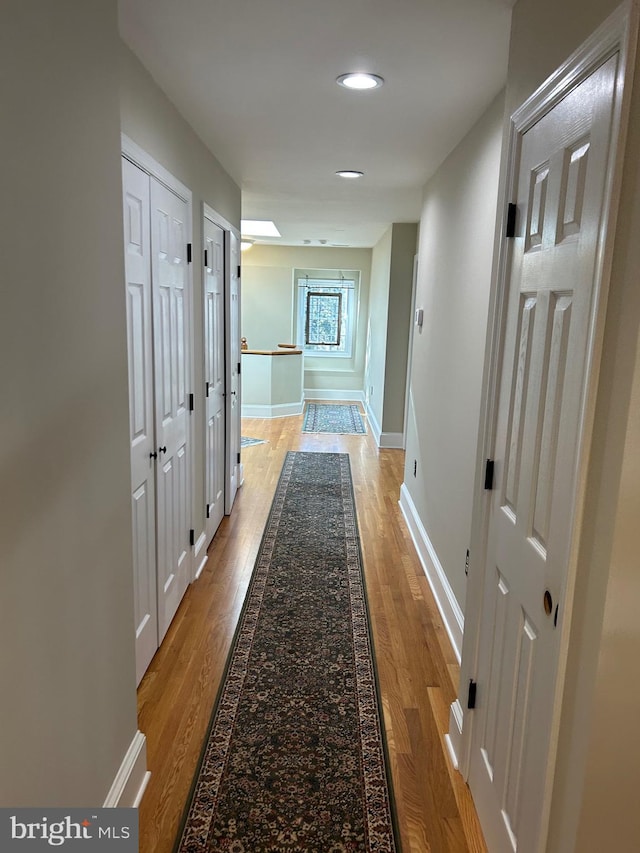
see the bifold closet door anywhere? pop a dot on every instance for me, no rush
(171, 348)
(137, 242)
(155, 226)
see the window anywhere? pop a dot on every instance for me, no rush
(326, 310)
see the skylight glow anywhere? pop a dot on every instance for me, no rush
(259, 228)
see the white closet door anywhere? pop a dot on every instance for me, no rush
(233, 373)
(139, 332)
(214, 375)
(171, 347)
(548, 352)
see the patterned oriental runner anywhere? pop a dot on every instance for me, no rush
(295, 759)
(327, 417)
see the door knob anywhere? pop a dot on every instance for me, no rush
(153, 456)
(162, 449)
(547, 602)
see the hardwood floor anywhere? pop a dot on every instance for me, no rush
(417, 669)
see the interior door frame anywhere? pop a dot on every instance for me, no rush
(616, 35)
(141, 158)
(228, 228)
(230, 494)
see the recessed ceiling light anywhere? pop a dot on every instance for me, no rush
(349, 173)
(259, 228)
(360, 80)
(246, 243)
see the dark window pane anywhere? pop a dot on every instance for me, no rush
(324, 319)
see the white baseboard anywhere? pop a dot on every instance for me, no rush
(374, 426)
(327, 395)
(454, 737)
(452, 755)
(393, 440)
(132, 778)
(280, 410)
(450, 611)
(200, 554)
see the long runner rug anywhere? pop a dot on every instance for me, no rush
(295, 759)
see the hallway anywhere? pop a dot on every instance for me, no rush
(417, 669)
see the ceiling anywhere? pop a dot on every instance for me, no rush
(257, 81)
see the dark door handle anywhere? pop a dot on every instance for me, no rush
(153, 456)
(162, 449)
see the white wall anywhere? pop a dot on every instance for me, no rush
(454, 275)
(149, 118)
(269, 307)
(67, 663)
(377, 326)
(389, 326)
(598, 770)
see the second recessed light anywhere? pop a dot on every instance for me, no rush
(360, 80)
(349, 173)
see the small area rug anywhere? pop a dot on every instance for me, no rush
(327, 417)
(245, 441)
(295, 758)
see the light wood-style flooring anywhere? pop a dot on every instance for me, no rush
(417, 668)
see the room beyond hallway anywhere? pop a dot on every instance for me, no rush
(417, 669)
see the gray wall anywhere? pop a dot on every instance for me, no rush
(269, 306)
(404, 237)
(389, 325)
(453, 282)
(598, 772)
(67, 663)
(377, 326)
(149, 118)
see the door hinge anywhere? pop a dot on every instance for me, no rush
(208, 509)
(238, 368)
(192, 537)
(206, 256)
(238, 457)
(238, 270)
(191, 402)
(488, 475)
(510, 231)
(471, 696)
(206, 392)
(189, 249)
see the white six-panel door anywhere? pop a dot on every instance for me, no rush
(137, 244)
(159, 341)
(172, 382)
(551, 306)
(214, 374)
